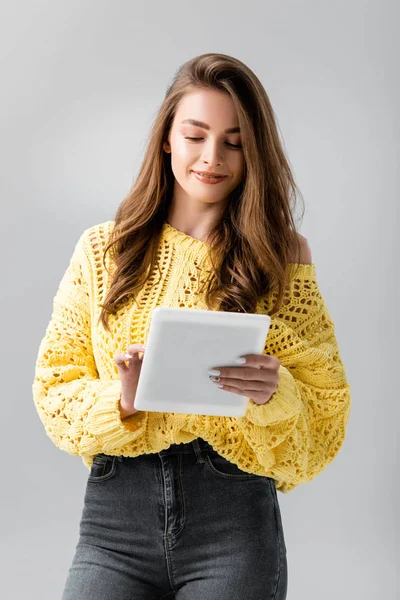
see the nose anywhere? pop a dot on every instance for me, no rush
(212, 155)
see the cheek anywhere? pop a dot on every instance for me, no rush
(237, 167)
(182, 156)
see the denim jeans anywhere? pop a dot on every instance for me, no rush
(182, 523)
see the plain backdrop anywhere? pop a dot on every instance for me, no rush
(80, 85)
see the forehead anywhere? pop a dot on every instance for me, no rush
(213, 107)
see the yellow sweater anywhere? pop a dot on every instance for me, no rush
(76, 388)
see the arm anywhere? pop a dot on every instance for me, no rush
(81, 413)
(303, 426)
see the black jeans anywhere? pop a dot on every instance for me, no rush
(183, 523)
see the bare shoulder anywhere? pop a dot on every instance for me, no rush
(305, 251)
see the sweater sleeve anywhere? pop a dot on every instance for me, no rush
(80, 412)
(300, 430)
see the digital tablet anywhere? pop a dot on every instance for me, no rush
(182, 345)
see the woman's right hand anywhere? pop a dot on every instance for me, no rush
(129, 375)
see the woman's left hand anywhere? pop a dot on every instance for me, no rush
(258, 383)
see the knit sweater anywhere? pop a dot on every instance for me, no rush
(76, 387)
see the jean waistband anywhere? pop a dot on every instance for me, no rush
(188, 448)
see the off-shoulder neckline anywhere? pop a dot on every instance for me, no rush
(306, 270)
(184, 238)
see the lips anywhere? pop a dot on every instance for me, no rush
(209, 174)
(209, 179)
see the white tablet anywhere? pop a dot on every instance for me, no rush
(183, 344)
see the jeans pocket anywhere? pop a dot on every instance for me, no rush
(224, 468)
(103, 467)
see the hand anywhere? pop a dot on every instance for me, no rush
(259, 383)
(129, 375)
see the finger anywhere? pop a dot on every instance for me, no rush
(261, 360)
(246, 374)
(135, 348)
(257, 397)
(241, 385)
(123, 357)
(130, 356)
(121, 360)
(260, 367)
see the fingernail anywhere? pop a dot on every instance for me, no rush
(127, 356)
(240, 361)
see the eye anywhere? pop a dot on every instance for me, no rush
(237, 146)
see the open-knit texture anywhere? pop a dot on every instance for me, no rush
(76, 387)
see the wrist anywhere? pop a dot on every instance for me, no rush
(126, 411)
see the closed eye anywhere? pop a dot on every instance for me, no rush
(227, 143)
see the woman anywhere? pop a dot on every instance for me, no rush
(177, 505)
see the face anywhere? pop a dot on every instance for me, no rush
(205, 146)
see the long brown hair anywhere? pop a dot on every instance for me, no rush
(252, 244)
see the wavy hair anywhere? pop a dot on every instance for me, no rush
(252, 243)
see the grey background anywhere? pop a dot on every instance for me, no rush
(80, 85)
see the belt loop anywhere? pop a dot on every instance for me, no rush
(199, 453)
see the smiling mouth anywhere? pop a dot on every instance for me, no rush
(209, 176)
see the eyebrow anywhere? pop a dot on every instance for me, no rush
(205, 126)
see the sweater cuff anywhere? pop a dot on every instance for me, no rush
(284, 404)
(104, 419)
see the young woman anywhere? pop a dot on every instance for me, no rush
(178, 505)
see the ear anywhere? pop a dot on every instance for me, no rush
(166, 147)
